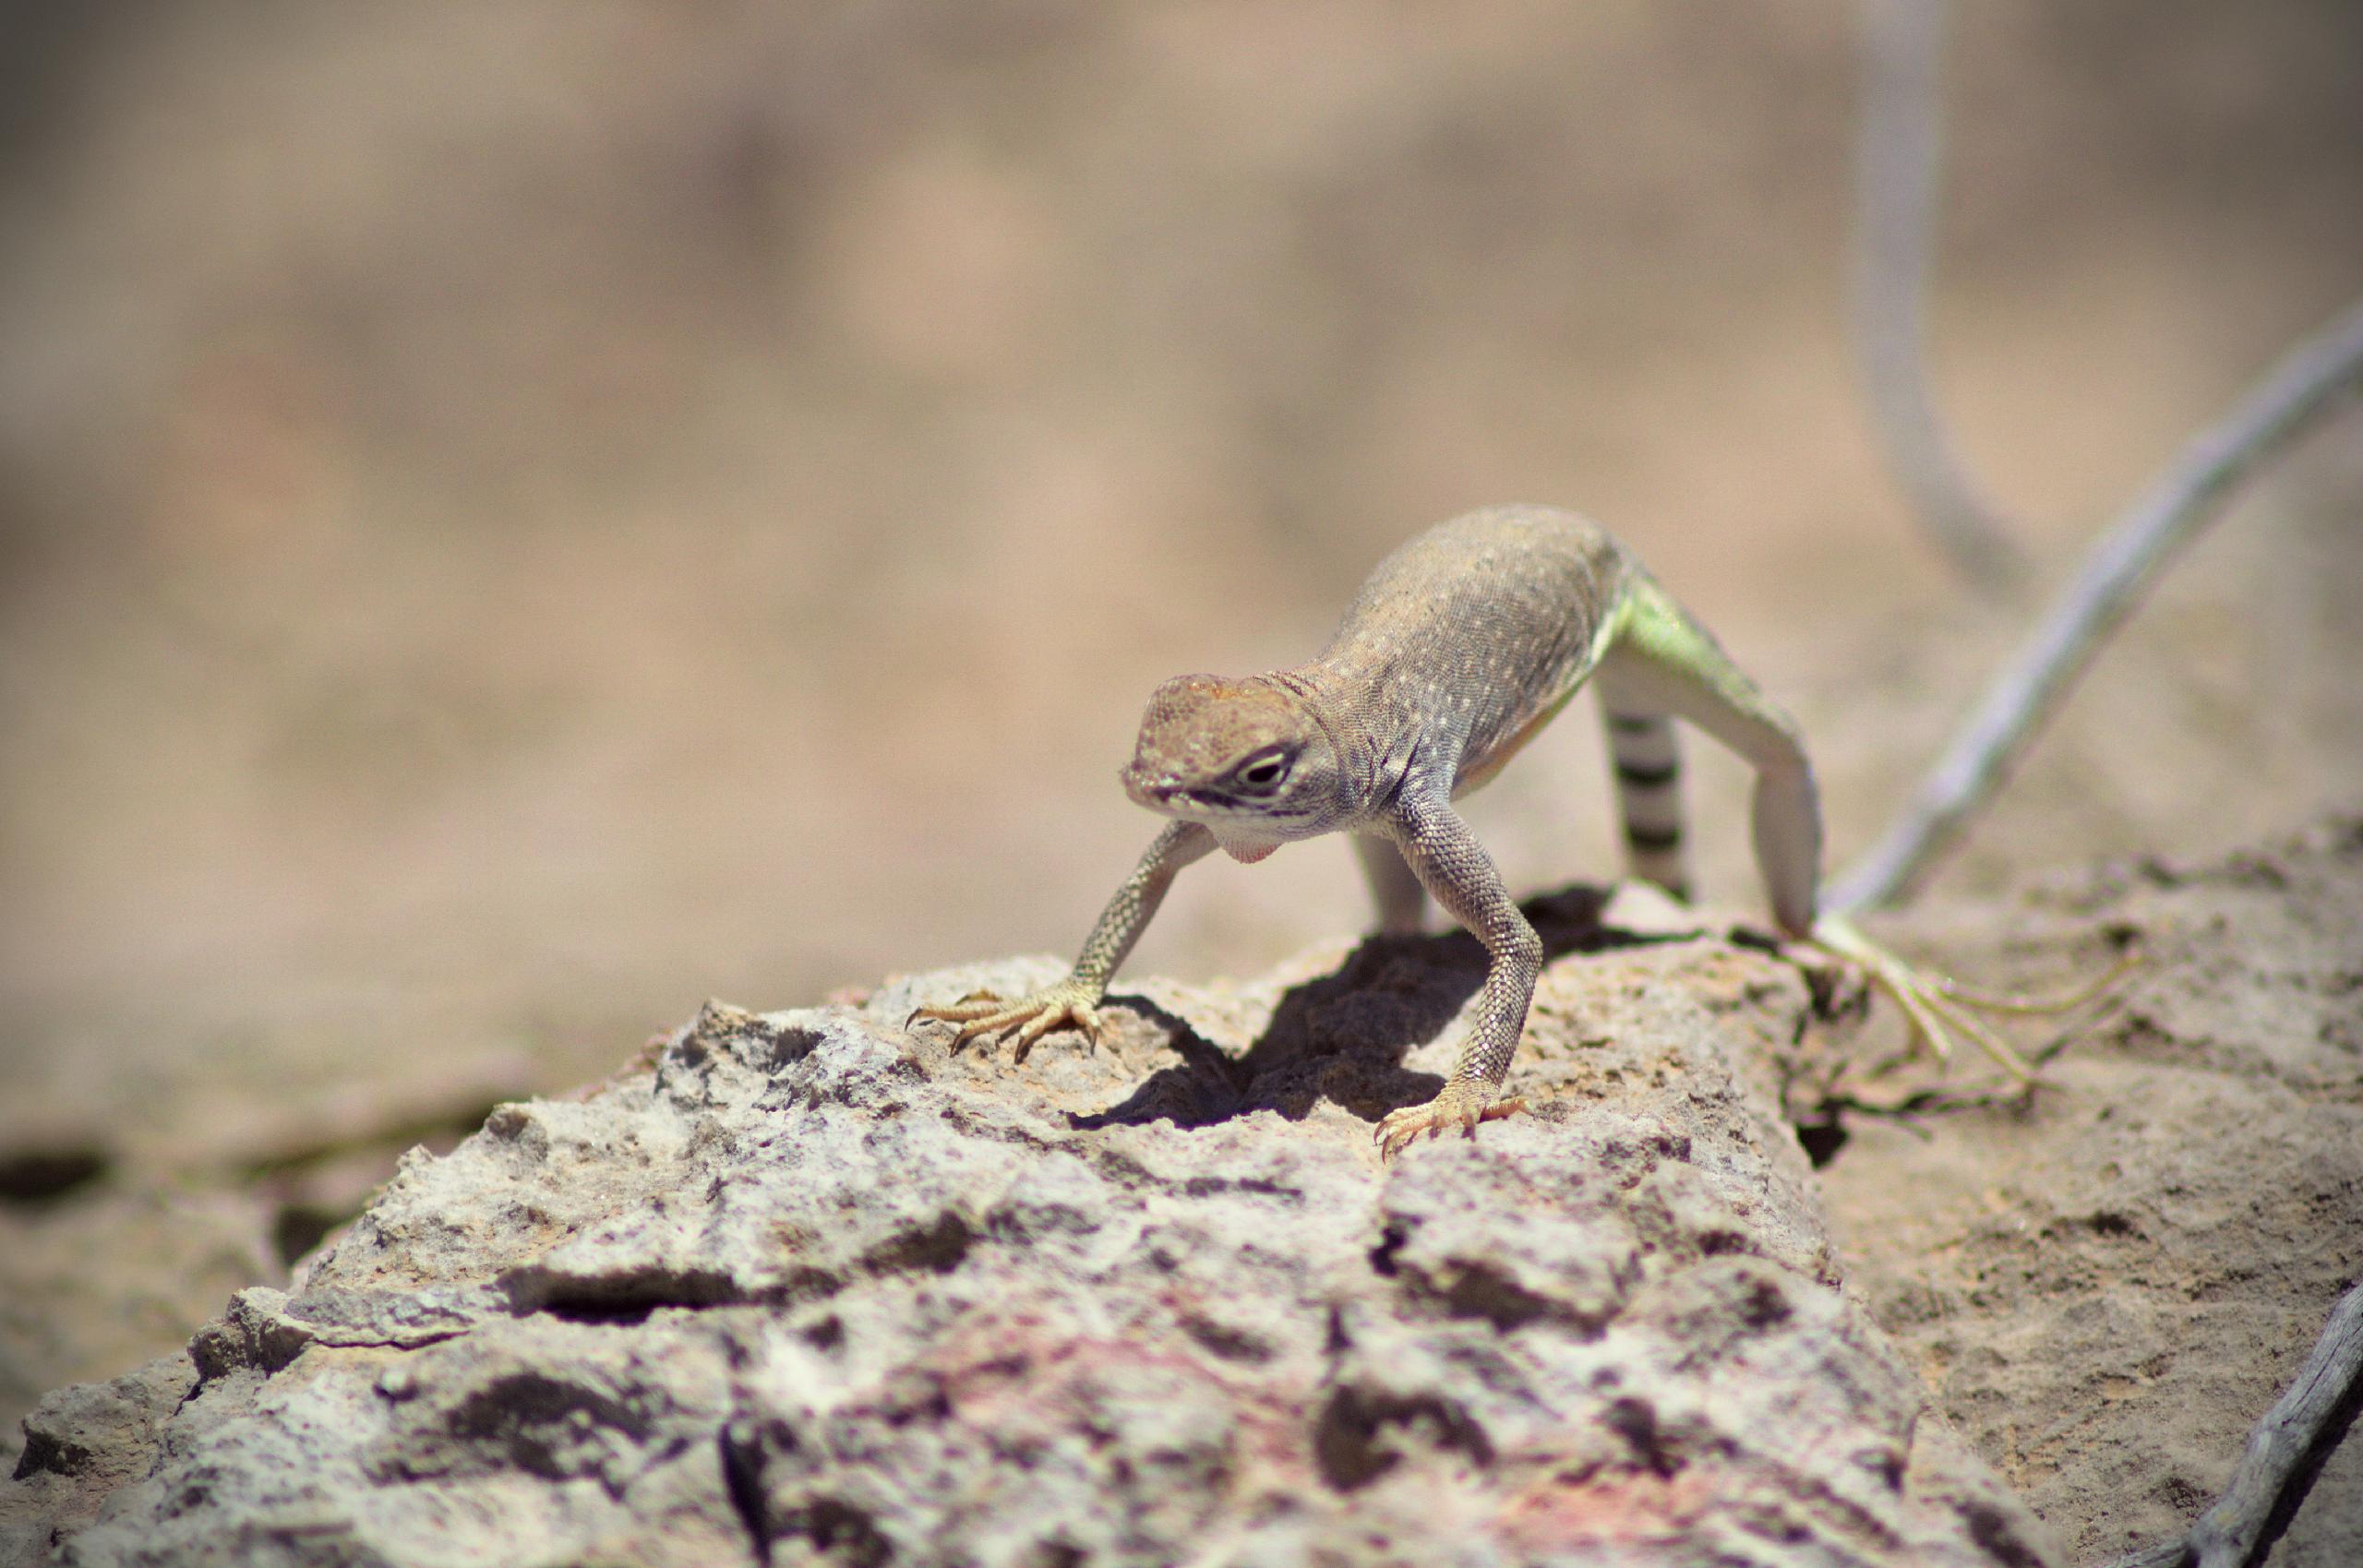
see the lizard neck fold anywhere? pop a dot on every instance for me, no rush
(1330, 705)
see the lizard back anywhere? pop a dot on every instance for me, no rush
(1469, 638)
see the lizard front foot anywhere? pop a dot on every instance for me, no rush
(984, 1016)
(1463, 1104)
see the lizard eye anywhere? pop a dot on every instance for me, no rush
(1264, 772)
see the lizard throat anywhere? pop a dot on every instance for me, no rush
(1245, 849)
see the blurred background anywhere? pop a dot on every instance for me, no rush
(517, 516)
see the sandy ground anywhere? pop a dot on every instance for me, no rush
(516, 517)
(2107, 1285)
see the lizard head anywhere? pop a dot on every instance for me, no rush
(1244, 758)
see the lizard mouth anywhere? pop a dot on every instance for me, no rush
(1163, 792)
(1157, 792)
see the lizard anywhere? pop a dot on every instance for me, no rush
(1461, 645)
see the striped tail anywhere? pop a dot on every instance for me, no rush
(1647, 762)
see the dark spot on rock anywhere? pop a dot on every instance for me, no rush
(1010, 1367)
(746, 1035)
(536, 1421)
(804, 1283)
(937, 1248)
(1261, 1187)
(624, 1296)
(1628, 1161)
(1230, 1344)
(1636, 1420)
(742, 1478)
(825, 1334)
(1116, 1165)
(1363, 1433)
(40, 1176)
(509, 1119)
(1887, 1462)
(2107, 1222)
(1487, 1293)
(922, 1401)
(792, 1045)
(620, 1314)
(1391, 1241)
(840, 1532)
(1766, 1305)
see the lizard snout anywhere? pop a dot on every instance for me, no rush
(1146, 788)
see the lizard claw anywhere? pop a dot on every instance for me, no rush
(980, 1015)
(1461, 1105)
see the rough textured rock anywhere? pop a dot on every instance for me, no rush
(804, 1287)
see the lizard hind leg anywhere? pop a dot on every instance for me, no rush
(1394, 885)
(1645, 756)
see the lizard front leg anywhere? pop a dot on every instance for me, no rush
(1074, 1001)
(1454, 867)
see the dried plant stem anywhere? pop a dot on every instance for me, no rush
(2115, 574)
(2283, 1455)
(1896, 183)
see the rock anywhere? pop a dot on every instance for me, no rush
(83, 1442)
(805, 1287)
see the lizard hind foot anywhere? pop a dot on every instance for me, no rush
(1938, 1008)
(1997, 1002)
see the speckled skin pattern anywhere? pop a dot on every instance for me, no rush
(1461, 645)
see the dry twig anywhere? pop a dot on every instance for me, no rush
(2119, 568)
(2283, 1454)
(1895, 203)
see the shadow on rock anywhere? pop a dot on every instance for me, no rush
(1344, 1035)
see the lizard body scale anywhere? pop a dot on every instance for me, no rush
(1459, 648)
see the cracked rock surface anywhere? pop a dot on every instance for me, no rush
(807, 1287)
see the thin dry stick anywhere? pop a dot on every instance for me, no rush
(2288, 1446)
(1895, 204)
(2115, 575)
